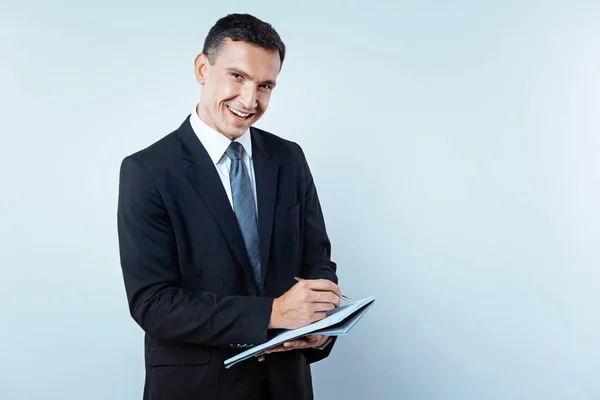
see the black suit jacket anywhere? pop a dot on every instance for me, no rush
(187, 274)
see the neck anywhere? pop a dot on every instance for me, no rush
(204, 117)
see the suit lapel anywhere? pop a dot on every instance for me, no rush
(205, 180)
(266, 171)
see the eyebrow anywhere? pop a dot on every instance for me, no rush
(247, 76)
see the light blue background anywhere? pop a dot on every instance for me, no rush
(456, 152)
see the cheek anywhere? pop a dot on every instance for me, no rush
(220, 91)
(228, 90)
(263, 100)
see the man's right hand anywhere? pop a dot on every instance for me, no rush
(306, 302)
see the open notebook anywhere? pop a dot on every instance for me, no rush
(338, 322)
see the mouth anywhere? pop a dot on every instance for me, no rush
(242, 116)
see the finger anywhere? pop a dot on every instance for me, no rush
(275, 349)
(297, 344)
(318, 315)
(319, 341)
(326, 297)
(316, 342)
(292, 344)
(278, 349)
(321, 307)
(316, 338)
(322, 340)
(322, 285)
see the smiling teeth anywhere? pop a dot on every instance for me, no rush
(238, 113)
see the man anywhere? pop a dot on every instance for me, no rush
(215, 221)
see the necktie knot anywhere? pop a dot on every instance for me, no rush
(234, 151)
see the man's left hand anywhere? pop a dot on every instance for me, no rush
(306, 342)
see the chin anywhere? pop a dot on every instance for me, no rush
(240, 129)
(234, 132)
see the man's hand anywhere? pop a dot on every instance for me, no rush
(305, 342)
(306, 302)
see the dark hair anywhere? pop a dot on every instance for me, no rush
(245, 28)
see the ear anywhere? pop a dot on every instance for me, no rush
(200, 68)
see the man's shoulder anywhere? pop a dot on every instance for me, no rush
(282, 148)
(158, 152)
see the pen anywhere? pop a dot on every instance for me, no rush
(343, 296)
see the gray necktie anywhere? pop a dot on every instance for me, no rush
(244, 207)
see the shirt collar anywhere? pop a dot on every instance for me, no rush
(214, 142)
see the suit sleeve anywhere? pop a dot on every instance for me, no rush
(149, 262)
(316, 253)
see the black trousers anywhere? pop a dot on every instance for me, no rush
(265, 391)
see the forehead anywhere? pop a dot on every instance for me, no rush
(256, 61)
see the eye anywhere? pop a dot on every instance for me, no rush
(236, 75)
(267, 87)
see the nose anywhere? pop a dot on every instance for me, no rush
(248, 97)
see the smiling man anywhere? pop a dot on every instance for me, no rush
(215, 220)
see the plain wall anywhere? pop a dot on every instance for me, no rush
(455, 148)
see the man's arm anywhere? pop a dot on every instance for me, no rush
(149, 262)
(316, 253)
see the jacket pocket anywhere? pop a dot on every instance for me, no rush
(177, 354)
(289, 218)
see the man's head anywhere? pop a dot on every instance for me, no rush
(238, 67)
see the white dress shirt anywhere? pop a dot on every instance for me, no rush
(216, 144)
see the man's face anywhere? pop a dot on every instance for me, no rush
(237, 87)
